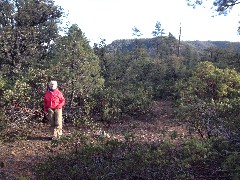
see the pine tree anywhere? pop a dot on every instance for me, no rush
(27, 30)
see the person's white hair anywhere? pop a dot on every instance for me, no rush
(53, 82)
(53, 85)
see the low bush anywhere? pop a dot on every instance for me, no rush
(113, 159)
(209, 101)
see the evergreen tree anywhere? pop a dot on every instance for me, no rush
(101, 51)
(158, 30)
(136, 32)
(27, 30)
(77, 67)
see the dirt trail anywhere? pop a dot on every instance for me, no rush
(18, 158)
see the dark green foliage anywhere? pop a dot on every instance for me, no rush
(135, 77)
(101, 51)
(158, 30)
(113, 159)
(208, 101)
(201, 45)
(193, 51)
(75, 64)
(119, 100)
(164, 45)
(27, 29)
(127, 87)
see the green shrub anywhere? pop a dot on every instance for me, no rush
(119, 99)
(18, 94)
(209, 101)
(113, 159)
(232, 164)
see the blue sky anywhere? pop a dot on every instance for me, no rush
(114, 19)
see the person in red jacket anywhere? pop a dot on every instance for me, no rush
(53, 103)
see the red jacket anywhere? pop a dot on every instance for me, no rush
(53, 99)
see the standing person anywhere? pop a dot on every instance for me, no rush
(53, 103)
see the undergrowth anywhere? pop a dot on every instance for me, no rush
(114, 159)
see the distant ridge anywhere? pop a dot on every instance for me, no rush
(201, 45)
(128, 44)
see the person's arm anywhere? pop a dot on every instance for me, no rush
(61, 100)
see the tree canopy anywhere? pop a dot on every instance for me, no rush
(27, 30)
